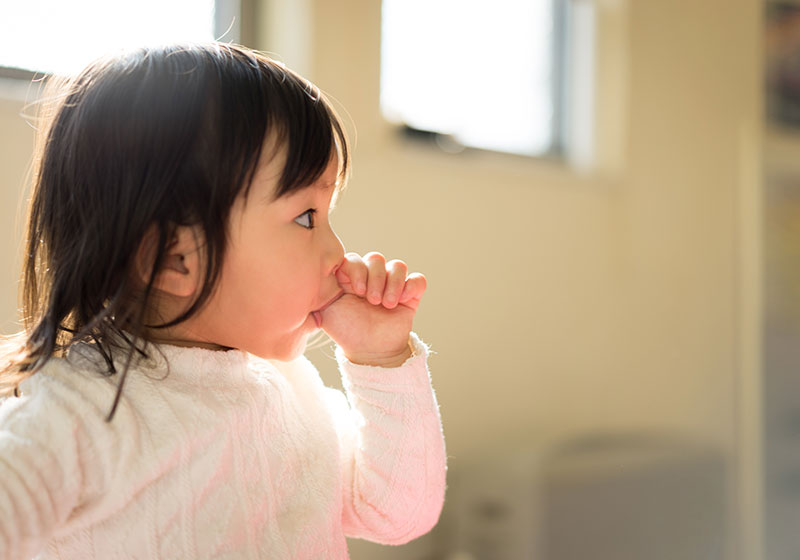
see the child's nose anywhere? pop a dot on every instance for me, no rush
(334, 254)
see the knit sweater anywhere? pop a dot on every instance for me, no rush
(217, 454)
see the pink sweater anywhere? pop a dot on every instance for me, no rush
(227, 456)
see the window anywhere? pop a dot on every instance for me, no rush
(57, 36)
(490, 75)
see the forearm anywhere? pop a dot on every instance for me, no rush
(395, 477)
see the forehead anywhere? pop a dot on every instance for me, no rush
(328, 185)
(270, 169)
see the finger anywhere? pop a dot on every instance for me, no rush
(415, 287)
(376, 281)
(352, 274)
(395, 282)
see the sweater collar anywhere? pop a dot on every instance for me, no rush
(180, 363)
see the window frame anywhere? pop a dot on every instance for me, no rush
(243, 31)
(558, 148)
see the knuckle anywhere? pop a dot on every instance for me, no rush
(397, 265)
(374, 256)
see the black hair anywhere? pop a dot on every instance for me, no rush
(153, 138)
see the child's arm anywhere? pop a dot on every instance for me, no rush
(393, 449)
(394, 471)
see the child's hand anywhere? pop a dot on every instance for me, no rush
(372, 320)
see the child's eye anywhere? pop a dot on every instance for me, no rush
(306, 219)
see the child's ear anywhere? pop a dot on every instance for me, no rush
(180, 271)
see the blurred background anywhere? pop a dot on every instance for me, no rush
(605, 198)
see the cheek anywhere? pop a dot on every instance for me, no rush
(291, 291)
(274, 278)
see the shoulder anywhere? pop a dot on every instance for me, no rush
(57, 430)
(64, 395)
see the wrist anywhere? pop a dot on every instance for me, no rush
(381, 359)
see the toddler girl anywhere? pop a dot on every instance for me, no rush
(179, 255)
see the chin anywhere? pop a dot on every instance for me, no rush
(288, 356)
(288, 352)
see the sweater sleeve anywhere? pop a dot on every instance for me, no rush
(393, 453)
(40, 474)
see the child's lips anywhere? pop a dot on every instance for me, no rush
(318, 313)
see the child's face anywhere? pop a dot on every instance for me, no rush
(276, 270)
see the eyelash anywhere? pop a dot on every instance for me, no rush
(310, 213)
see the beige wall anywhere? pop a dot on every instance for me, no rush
(558, 303)
(16, 146)
(562, 304)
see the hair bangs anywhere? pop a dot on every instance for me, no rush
(312, 134)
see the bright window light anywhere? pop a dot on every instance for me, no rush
(479, 71)
(62, 36)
